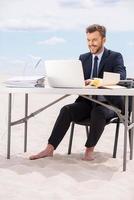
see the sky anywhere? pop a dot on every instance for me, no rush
(33, 30)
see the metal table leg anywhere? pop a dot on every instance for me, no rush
(24, 119)
(25, 123)
(9, 125)
(125, 134)
(132, 131)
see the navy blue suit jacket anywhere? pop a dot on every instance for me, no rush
(110, 62)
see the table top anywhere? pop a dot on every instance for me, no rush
(71, 91)
(65, 91)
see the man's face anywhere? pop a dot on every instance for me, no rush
(95, 42)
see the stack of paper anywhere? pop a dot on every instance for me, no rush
(26, 81)
(109, 80)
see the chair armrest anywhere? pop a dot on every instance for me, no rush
(129, 83)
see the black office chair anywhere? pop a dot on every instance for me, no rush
(128, 83)
(86, 123)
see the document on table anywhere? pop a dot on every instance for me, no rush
(109, 79)
(26, 81)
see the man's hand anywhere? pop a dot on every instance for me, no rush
(87, 82)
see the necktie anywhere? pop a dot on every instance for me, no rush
(95, 66)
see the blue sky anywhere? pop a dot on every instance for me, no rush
(55, 29)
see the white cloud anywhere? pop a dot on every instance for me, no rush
(131, 44)
(65, 14)
(52, 41)
(25, 24)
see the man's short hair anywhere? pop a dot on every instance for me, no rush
(96, 27)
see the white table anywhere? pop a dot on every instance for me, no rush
(85, 92)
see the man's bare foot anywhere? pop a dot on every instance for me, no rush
(88, 156)
(47, 152)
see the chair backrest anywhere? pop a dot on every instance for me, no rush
(129, 83)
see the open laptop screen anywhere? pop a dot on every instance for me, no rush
(65, 73)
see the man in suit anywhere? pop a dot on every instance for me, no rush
(94, 63)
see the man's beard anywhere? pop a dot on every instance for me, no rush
(98, 50)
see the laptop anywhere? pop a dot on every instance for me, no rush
(65, 73)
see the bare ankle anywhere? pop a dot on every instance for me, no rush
(89, 149)
(50, 147)
(88, 155)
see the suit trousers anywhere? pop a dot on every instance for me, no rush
(78, 111)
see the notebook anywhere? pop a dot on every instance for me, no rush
(65, 73)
